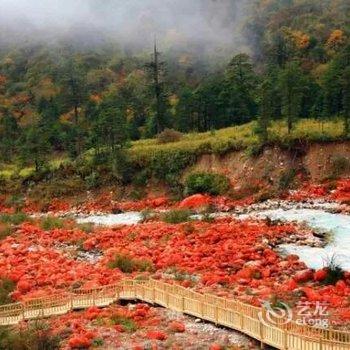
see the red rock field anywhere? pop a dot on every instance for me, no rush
(225, 256)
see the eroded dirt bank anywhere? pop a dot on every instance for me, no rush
(270, 174)
(316, 161)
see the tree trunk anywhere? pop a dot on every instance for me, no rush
(346, 125)
(157, 90)
(289, 124)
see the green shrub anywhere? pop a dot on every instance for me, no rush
(176, 187)
(180, 275)
(3, 180)
(127, 264)
(98, 342)
(254, 150)
(14, 219)
(146, 214)
(176, 216)
(16, 201)
(169, 135)
(287, 179)
(123, 263)
(5, 231)
(98, 158)
(49, 223)
(121, 167)
(128, 324)
(144, 265)
(137, 194)
(87, 227)
(141, 177)
(92, 180)
(334, 271)
(6, 287)
(36, 175)
(210, 183)
(36, 336)
(339, 166)
(164, 165)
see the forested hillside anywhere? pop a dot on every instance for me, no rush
(65, 98)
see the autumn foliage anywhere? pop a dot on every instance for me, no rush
(336, 39)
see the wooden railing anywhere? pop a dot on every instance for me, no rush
(230, 313)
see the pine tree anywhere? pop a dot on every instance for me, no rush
(9, 133)
(74, 95)
(156, 70)
(34, 147)
(184, 111)
(291, 86)
(346, 100)
(267, 109)
(332, 89)
(110, 129)
(208, 105)
(238, 93)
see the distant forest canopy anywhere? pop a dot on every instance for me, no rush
(294, 62)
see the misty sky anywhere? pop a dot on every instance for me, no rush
(133, 21)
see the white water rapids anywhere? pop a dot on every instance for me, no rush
(337, 225)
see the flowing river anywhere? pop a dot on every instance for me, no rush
(336, 225)
(129, 218)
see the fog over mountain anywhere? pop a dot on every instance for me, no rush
(210, 24)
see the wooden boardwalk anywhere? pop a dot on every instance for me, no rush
(230, 313)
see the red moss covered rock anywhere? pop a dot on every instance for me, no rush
(320, 275)
(177, 326)
(79, 342)
(196, 201)
(215, 347)
(303, 276)
(157, 335)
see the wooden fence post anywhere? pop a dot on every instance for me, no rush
(116, 293)
(23, 311)
(134, 288)
(261, 328)
(216, 314)
(241, 320)
(285, 340)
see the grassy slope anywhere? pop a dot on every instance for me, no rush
(219, 141)
(240, 137)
